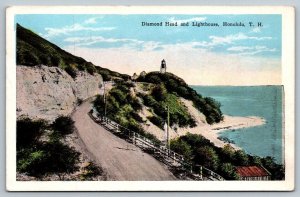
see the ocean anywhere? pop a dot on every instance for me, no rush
(262, 101)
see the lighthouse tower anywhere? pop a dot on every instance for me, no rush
(163, 67)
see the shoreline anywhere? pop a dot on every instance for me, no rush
(212, 132)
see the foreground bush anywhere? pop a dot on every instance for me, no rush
(48, 158)
(38, 157)
(64, 125)
(29, 131)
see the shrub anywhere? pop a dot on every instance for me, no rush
(134, 102)
(29, 131)
(159, 92)
(207, 157)
(227, 170)
(157, 121)
(31, 161)
(119, 95)
(240, 158)
(227, 153)
(91, 170)
(47, 158)
(81, 67)
(30, 58)
(136, 117)
(61, 159)
(90, 68)
(64, 125)
(71, 71)
(182, 147)
(55, 60)
(99, 104)
(149, 101)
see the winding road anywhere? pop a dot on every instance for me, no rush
(120, 160)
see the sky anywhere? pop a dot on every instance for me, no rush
(206, 55)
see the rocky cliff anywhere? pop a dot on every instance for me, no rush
(47, 92)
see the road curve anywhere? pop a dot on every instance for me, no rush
(121, 160)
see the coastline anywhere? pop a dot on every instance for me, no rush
(211, 132)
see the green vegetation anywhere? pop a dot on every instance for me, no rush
(177, 86)
(158, 100)
(40, 151)
(33, 50)
(63, 125)
(90, 171)
(200, 151)
(122, 107)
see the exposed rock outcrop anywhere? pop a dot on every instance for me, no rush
(47, 92)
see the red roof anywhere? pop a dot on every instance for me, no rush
(251, 171)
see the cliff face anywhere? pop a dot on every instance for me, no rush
(47, 92)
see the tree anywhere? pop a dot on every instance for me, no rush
(207, 157)
(240, 158)
(227, 153)
(228, 171)
(181, 147)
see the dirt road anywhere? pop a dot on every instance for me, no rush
(119, 159)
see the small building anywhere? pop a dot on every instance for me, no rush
(163, 67)
(253, 173)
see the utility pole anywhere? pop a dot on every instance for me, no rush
(168, 125)
(104, 97)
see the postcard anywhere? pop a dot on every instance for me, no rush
(150, 98)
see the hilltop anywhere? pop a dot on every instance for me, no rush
(34, 50)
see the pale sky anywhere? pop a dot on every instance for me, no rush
(200, 55)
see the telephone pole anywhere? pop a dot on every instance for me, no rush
(104, 98)
(168, 125)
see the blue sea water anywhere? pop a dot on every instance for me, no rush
(262, 101)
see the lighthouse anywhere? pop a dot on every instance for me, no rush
(163, 67)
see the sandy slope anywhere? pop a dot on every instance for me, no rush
(119, 159)
(211, 131)
(208, 131)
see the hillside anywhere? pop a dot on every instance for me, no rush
(143, 106)
(34, 50)
(177, 86)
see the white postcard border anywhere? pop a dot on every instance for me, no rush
(288, 80)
